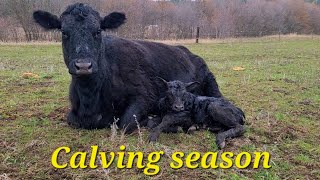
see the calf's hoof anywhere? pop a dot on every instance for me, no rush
(152, 137)
(220, 141)
(192, 129)
(221, 145)
(153, 122)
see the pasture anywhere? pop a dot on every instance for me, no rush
(279, 90)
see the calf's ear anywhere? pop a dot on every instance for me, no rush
(47, 20)
(161, 83)
(192, 85)
(113, 20)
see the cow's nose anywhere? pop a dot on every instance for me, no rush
(83, 68)
(179, 107)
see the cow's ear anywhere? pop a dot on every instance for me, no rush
(113, 20)
(192, 85)
(47, 20)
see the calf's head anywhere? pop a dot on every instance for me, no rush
(81, 28)
(176, 93)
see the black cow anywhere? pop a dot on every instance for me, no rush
(182, 108)
(113, 77)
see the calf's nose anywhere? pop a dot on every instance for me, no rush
(179, 107)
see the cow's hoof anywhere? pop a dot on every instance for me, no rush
(71, 120)
(74, 125)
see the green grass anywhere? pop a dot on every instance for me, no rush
(279, 90)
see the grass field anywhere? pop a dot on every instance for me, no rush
(279, 90)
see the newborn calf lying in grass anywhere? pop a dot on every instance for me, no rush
(182, 108)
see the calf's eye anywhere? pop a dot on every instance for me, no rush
(97, 34)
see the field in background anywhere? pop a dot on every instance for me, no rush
(279, 90)
(265, 39)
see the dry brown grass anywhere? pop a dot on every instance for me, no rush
(286, 37)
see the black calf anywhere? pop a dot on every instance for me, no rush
(182, 108)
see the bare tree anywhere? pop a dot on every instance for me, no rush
(172, 19)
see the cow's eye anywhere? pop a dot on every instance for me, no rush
(97, 34)
(64, 35)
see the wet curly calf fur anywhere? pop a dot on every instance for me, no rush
(182, 108)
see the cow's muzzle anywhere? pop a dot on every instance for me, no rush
(83, 67)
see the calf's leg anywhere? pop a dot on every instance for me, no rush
(231, 133)
(155, 121)
(171, 121)
(225, 116)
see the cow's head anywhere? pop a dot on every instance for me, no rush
(176, 94)
(81, 28)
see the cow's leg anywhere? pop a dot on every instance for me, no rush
(107, 118)
(89, 114)
(73, 120)
(169, 121)
(89, 122)
(211, 87)
(133, 114)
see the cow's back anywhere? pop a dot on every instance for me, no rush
(157, 59)
(134, 65)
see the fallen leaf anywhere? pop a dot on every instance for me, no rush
(29, 75)
(238, 68)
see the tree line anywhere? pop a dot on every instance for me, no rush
(172, 19)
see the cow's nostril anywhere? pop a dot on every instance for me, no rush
(77, 67)
(90, 66)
